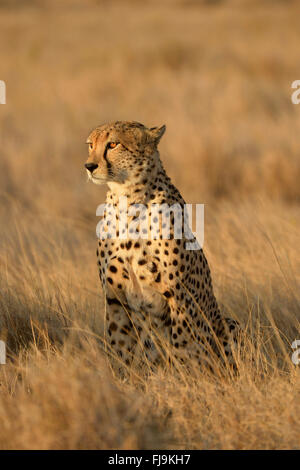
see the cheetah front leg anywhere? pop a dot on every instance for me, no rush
(121, 338)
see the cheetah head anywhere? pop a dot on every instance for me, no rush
(121, 152)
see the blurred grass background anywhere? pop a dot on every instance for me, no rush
(218, 74)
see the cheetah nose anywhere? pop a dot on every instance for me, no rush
(91, 166)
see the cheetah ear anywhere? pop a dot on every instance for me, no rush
(156, 133)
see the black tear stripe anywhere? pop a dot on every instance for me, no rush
(108, 164)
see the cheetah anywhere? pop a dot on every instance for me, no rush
(157, 291)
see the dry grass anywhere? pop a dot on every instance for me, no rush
(218, 74)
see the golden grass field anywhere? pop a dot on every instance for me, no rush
(219, 75)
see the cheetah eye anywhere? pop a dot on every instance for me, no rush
(112, 145)
(90, 144)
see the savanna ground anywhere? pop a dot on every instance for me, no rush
(219, 75)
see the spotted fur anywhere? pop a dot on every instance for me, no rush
(157, 292)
